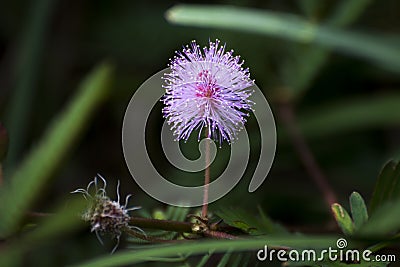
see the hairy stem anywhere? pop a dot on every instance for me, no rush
(289, 119)
(206, 179)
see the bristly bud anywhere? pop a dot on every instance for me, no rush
(105, 215)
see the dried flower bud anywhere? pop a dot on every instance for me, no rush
(105, 215)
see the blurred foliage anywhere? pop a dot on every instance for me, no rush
(337, 62)
(31, 176)
(387, 188)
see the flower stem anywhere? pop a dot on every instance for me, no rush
(206, 179)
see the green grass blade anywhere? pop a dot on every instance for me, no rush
(299, 75)
(132, 257)
(289, 27)
(205, 258)
(224, 260)
(352, 114)
(26, 73)
(65, 220)
(237, 261)
(31, 176)
(347, 12)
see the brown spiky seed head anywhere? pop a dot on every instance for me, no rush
(106, 216)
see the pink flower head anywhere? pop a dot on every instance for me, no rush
(207, 88)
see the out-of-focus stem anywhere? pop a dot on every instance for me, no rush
(289, 119)
(1, 174)
(4, 141)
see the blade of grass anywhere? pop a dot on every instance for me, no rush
(61, 222)
(26, 73)
(352, 114)
(346, 12)
(205, 258)
(290, 27)
(224, 260)
(132, 257)
(299, 75)
(31, 176)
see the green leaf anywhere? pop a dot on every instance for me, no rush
(343, 219)
(290, 27)
(33, 174)
(387, 187)
(132, 257)
(359, 211)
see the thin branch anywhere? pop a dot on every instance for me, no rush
(306, 156)
(136, 234)
(219, 235)
(166, 225)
